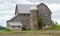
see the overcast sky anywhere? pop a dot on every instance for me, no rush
(7, 8)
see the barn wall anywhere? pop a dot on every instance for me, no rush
(44, 13)
(23, 18)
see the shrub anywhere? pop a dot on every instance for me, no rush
(40, 21)
(7, 29)
(55, 26)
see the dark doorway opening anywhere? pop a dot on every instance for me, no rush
(23, 28)
(39, 26)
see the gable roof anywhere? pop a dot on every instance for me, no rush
(42, 4)
(12, 18)
(23, 8)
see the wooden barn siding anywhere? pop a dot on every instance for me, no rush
(42, 12)
(24, 19)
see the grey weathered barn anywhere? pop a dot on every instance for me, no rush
(26, 17)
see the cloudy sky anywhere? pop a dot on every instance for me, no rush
(7, 8)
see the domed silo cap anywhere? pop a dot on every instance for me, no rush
(33, 8)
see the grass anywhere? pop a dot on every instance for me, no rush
(24, 31)
(55, 27)
(30, 33)
(4, 31)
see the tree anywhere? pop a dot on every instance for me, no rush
(2, 28)
(40, 22)
(54, 24)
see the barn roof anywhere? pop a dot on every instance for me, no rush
(18, 15)
(24, 8)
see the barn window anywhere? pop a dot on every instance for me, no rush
(23, 14)
(19, 26)
(13, 26)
